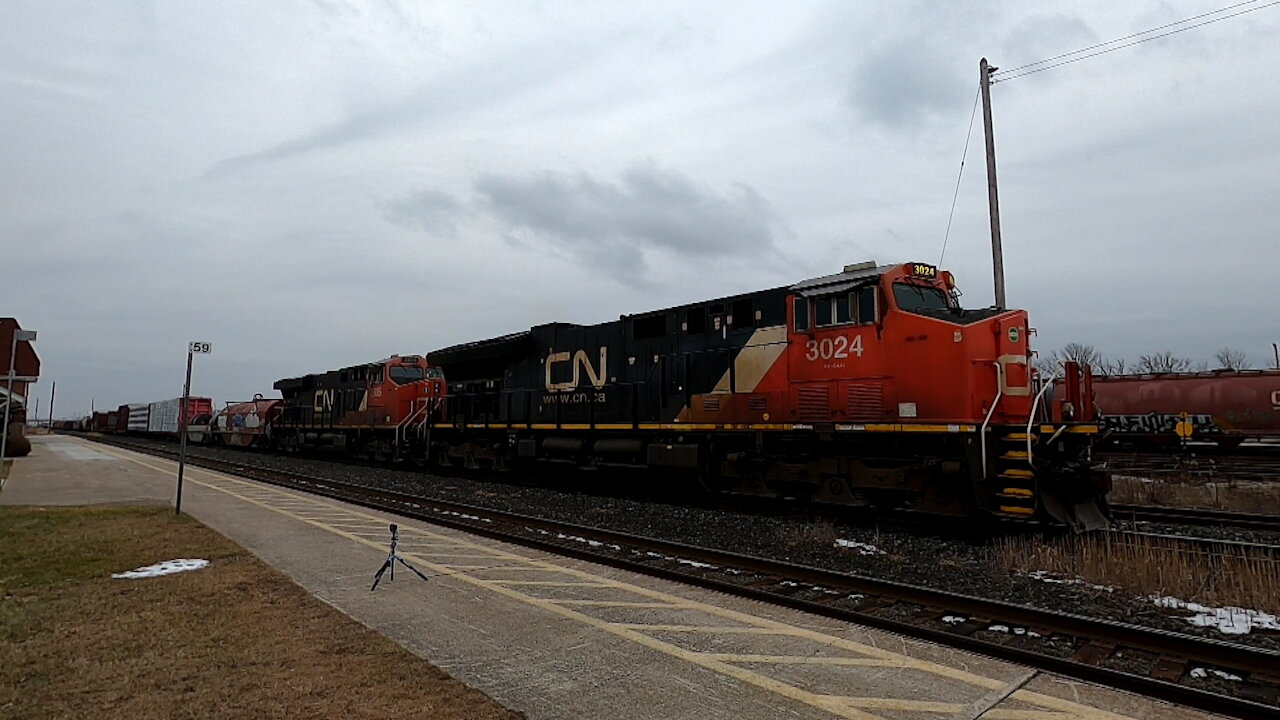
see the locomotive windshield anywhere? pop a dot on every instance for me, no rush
(912, 298)
(405, 374)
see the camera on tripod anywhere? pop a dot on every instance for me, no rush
(392, 559)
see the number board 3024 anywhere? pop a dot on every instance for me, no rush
(837, 348)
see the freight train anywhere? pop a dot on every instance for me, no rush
(872, 386)
(159, 419)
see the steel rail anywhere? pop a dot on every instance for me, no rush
(1197, 516)
(763, 579)
(1200, 545)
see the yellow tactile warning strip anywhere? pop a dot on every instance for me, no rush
(679, 627)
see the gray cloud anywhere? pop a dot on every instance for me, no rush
(1044, 36)
(313, 185)
(431, 211)
(908, 80)
(613, 225)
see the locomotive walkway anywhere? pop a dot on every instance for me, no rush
(560, 638)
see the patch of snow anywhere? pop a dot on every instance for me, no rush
(1204, 672)
(695, 563)
(464, 516)
(1015, 630)
(1227, 620)
(1048, 577)
(861, 547)
(167, 567)
(954, 619)
(789, 583)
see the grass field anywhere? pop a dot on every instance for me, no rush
(234, 640)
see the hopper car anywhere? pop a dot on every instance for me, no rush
(1226, 407)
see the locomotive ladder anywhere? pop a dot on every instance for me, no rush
(415, 421)
(1014, 476)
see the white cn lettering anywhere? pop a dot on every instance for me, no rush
(324, 400)
(581, 363)
(1275, 399)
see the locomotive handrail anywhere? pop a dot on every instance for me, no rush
(1031, 417)
(982, 432)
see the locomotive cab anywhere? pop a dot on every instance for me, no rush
(890, 349)
(404, 387)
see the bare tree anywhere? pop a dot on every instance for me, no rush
(1232, 359)
(1163, 362)
(1076, 352)
(1116, 366)
(1084, 355)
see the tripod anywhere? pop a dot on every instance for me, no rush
(392, 559)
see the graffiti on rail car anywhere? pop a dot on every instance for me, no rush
(1156, 423)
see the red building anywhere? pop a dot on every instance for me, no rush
(26, 370)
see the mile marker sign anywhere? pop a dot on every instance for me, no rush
(193, 347)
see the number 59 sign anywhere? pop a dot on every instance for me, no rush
(200, 347)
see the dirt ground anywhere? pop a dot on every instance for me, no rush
(233, 640)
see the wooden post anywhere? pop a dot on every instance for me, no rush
(997, 253)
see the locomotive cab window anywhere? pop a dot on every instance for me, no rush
(405, 374)
(912, 298)
(833, 310)
(801, 312)
(866, 300)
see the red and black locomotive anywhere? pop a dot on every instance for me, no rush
(376, 411)
(870, 386)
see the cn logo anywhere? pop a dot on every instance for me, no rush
(323, 401)
(581, 363)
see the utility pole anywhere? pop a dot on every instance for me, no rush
(997, 253)
(52, 390)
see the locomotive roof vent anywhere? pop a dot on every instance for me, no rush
(860, 266)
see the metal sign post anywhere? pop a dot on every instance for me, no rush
(192, 349)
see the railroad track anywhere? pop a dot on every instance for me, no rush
(1065, 643)
(1197, 516)
(1195, 464)
(1208, 547)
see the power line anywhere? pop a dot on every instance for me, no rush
(968, 136)
(1130, 37)
(1014, 73)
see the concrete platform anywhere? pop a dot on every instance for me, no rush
(560, 638)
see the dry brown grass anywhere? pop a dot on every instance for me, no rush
(1151, 566)
(1238, 495)
(235, 640)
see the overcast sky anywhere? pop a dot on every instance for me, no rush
(308, 185)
